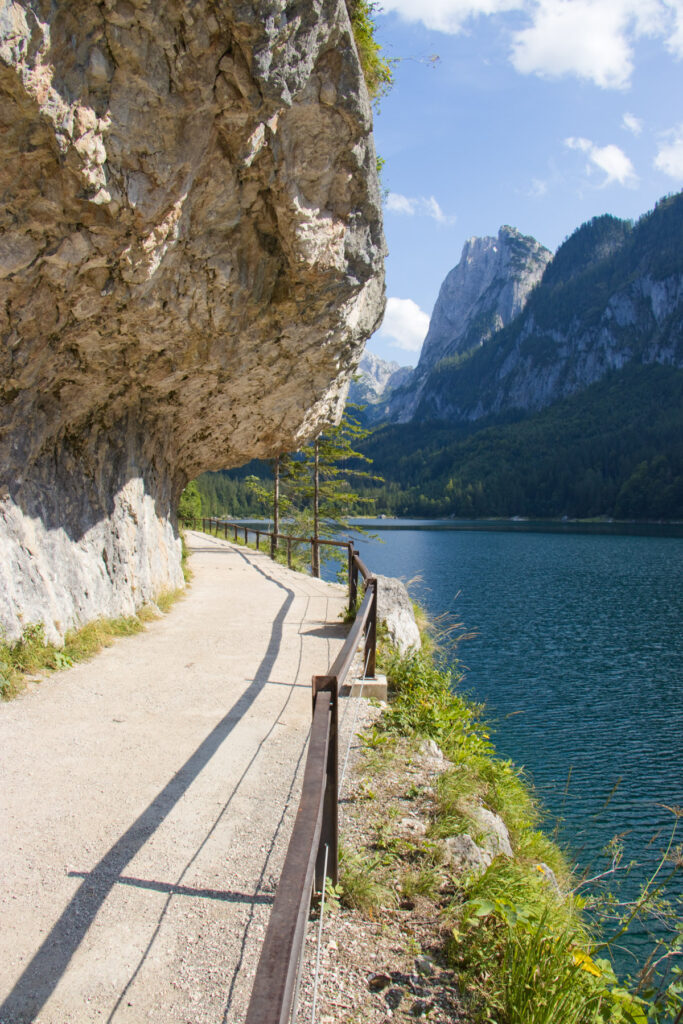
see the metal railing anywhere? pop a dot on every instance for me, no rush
(212, 523)
(313, 847)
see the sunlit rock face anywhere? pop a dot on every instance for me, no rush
(191, 258)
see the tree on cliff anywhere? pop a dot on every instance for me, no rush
(273, 494)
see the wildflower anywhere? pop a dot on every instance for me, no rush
(582, 960)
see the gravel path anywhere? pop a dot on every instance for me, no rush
(147, 798)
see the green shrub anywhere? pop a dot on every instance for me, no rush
(376, 69)
(190, 505)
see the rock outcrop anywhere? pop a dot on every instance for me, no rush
(395, 612)
(485, 291)
(190, 261)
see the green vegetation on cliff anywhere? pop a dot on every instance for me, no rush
(607, 298)
(376, 69)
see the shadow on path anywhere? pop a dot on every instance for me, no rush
(225, 895)
(41, 976)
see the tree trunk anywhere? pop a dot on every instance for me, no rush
(276, 506)
(315, 560)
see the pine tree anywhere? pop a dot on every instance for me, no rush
(286, 470)
(330, 465)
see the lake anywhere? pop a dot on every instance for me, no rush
(578, 657)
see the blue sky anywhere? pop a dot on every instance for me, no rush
(538, 113)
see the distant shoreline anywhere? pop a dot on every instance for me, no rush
(617, 527)
(673, 528)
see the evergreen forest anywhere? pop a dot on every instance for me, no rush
(614, 450)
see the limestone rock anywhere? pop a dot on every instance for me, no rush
(493, 840)
(464, 855)
(431, 751)
(376, 377)
(485, 291)
(395, 610)
(495, 835)
(191, 258)
(548, 876)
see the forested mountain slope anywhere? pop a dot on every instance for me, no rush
(615, 449)
(612, 295)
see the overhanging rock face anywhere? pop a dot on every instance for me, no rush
(190, 261)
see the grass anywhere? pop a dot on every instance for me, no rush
(518, 940)
(32, 654)
(362, 886)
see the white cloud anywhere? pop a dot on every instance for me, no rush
(588, 38)
(669, 157)
(539, 188)
(405, 324)
(448, 16)
(396, 203)
(632, 124)
(675, 41)
(610, 159)
(592, 39)
(410, 206)
(585, 145)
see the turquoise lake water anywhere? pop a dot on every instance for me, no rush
(578, 658)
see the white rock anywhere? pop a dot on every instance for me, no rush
(395, 610)
(496, 838)
(463, 854)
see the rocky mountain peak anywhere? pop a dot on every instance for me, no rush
(483, 293)
(376, 376)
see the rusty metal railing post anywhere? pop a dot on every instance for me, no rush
(329, 835)
(289, 552)
(371, 635)
(258, 540)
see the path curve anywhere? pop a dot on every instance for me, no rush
(147, 797)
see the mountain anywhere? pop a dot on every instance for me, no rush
(376, 376)
(614, 449)
(574, 407)
(611, 296)
(484, 292)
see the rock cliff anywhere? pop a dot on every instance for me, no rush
(485, 291)
(190, 261)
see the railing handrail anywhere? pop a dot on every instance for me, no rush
(313, 844)
(220, 521)
(274, 982)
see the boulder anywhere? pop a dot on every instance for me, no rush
(464, 855)
(191, 258)
(495, 835)
(395, 610)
